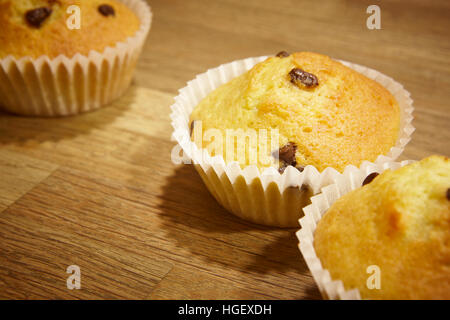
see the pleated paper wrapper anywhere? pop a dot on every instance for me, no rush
(65, 86)
(267, 197)
(333, 289)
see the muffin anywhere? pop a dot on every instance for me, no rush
(398, 221)
(326, 114)
(293, 107)
(49, 67)
(36, 28)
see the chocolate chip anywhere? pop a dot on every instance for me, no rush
(106, 10)
(287, 153)
(300, 76)
(36, 17)
(448, 194)
(369, 178)
(282, 54)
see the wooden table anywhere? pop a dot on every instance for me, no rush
(99, 190)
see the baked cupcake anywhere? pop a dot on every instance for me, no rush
(63, 57)
(327, 114)
(399, 222)
(266, 133)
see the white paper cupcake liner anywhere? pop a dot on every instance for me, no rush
(65, 86)
(267, 197)
(333, 289)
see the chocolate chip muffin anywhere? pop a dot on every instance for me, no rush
(327, 114)
(398, 221)
(39, 27)
(65, 57)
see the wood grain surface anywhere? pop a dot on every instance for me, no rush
(99, 190)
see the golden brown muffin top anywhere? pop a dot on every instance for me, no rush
(399, 222)
(327, 114)
(39, 27)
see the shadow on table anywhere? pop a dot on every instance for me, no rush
(220, 237)
(21, 130)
